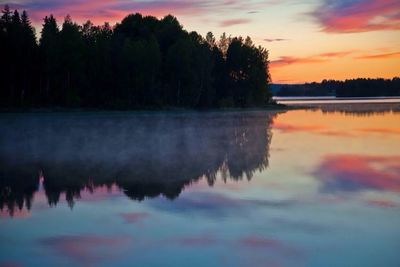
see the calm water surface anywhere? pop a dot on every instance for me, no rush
(296, 188)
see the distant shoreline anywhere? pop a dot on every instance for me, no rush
(350, 104)
(305, 98)
(332, 100)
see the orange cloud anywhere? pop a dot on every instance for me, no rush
(319, 58)
(379, 56)
(310, 128)
(381, 130)
(284, 61)
(286, 127)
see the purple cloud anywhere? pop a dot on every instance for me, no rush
(232, 22)
(112, 11)
(344, 16)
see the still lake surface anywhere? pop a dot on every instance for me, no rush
(256, 188)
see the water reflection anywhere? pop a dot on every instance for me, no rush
(360, 110)
(332, 184)
(359, 113)
(145, 155)
(351, 173)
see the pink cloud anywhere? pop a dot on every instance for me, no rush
(344, 16)
(359, 172)
(98, 193)
(99, 11)
(87, 249)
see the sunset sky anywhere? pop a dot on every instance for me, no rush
(308, 40)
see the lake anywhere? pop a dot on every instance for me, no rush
(255, 188)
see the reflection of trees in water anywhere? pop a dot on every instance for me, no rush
(361, 113)
(145, 155)
(360, 109)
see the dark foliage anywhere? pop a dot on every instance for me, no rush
(348, 88)
(142, 62)
(369, 87)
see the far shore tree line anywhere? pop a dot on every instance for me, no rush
(141, 62)
(349, 88)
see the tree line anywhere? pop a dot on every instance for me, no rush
(141, 62)
(360, 87)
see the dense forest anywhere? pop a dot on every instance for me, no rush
(141, 62)
(348, 88)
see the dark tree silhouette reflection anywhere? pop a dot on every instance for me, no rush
(145, 155)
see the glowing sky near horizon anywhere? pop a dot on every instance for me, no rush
(308, 40)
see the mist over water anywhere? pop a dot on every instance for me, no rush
(145, 154)
(256, 188)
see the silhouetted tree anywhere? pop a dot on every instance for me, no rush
(28, 68)
(72, 64)
(246, 66)
(50, 62)
(5, 47)
(142, 62)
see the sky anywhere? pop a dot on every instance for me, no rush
(308, 40)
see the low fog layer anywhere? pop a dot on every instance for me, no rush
(146, 154)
